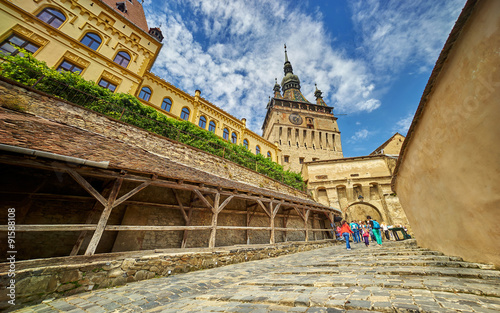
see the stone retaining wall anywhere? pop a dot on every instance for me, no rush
(42, 279)
(31, 101)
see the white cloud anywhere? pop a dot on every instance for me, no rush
(403, 124)
(360, 134)
(397, 33)
(235, 50)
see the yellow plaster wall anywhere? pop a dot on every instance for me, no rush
(64, 43)
(198, 107)
(449, 179)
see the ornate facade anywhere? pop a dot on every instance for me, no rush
(109, 42)
(304, 131)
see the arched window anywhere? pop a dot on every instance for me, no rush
(245, 143)
(234, 138)
(203, 122)
(11, 45)
(145, 94)
(91, 40)
(269, 154)
(51, 16)
(257, 150)
(122, 58)
(166, 104)
(225, 134)
(185, 114)
(211, 126)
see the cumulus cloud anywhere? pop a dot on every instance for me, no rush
(403, 124)
(359, 135)
(234, 50)
(397, 33)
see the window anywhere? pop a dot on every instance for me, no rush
(257, 150)
(91, 40)
(145, 94)
(301, 160)
(166, 104)
(286, 159)
(11, 45)
(315, 159)
(122, 58)
(108, 85)
(70, 67)
(203, 122)
(211, 126)
(121, 6)
(234, 138)
(245, 143)
(185, 114)
(269, 154)
(225, 134)
(52, 17)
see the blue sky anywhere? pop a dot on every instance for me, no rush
(371, 58)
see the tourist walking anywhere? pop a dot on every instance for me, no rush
(355, 228)
(345, 230)
(366, 235)
(385, 228)
(376, 229)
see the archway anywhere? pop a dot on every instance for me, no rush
(359, 210)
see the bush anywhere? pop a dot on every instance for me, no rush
(127, 108)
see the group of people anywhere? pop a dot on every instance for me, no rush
(364, 229)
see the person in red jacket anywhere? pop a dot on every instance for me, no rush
(345, 230)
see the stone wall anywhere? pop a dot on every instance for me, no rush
(42, 279)
(448, 178)
(48, 107)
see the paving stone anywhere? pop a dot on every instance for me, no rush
(394, 277)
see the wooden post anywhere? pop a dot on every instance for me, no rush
(285, 221)
(273, 212)
(186, 216)
(103, 220)
(215, 214)
(306, 216)
(93, 214)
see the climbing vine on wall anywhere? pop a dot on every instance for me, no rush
(29, 71)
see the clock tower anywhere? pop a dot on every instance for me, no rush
(304, 131)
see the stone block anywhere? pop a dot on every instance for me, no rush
(115, 272)
(69, 275)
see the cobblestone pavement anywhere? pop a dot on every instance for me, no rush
(394, 277)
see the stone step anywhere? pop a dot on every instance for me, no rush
(398, 270)
(394, 300)
(472, 286)
(385, 263)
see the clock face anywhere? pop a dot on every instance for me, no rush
(295, 119)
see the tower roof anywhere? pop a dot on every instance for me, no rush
(291, 83)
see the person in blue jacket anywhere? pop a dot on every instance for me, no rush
(375, 228)
(355, 228)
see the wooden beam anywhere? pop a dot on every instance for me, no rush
(203, 199)
(48, 227)
(80, 180)
(131, 193)
(285, 221)
(215, 214)
(306, 217)
(103, 220)
(90, 227)
(264, 208)
(226, 202)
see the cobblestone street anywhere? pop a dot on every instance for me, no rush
(397, 276)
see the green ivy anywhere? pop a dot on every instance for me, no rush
(71, 87)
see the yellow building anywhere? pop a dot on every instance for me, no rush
(109, 42)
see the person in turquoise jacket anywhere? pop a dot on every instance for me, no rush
(375, 228)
